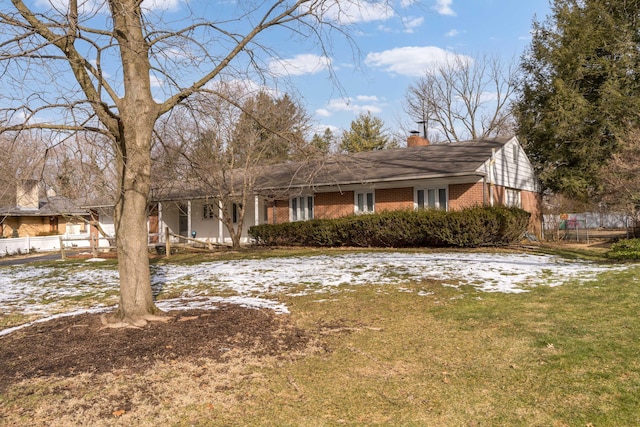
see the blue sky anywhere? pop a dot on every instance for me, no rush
(394, 45)
(397, 47)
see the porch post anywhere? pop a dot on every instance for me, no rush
(160, 224)
(189, 218)
(256, 215)
(220, 224)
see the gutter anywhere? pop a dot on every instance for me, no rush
(355, 182)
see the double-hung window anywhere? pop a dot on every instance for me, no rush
(431, 198)
(512, 198)
(209, 211)
(364, 202)
(235, 212)
(301, 208)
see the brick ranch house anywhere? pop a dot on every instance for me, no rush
(420, 176)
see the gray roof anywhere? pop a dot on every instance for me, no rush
(432, 161)
(49, 206)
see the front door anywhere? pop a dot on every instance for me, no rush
(183, 220)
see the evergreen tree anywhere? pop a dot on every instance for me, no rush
(580, 93)
(366, 134)
(270, 130)
(323, 143)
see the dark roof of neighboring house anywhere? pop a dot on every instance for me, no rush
(49, 206)
(432, 161)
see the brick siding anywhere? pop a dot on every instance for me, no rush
(333, 205)
(465, 195)
(393, 199)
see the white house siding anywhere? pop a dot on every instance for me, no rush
(207, 229)
(511, 168)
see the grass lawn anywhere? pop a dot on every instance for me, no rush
(419, 354)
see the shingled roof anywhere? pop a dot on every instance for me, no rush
(48, 206)
(431, 161)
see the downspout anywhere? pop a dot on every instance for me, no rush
(491, 183)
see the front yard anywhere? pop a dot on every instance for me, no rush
(355, 338)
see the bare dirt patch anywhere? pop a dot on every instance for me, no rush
(70, 346)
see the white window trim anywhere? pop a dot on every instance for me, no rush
(308, 213)
(209, 210)
(364, 193)
(508, 201)
(426, 190)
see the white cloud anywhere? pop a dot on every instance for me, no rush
(452, 33)
(161, 4)
(407, 3)
(91, 6)
(443, 7)
(299, 65)
(357, 105)
(355, 11)
(156, 81)
(367, 98)
(411, 23)
(410, 61)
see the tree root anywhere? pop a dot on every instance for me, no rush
(115, 322)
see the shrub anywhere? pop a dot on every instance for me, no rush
(473, 227)
(625, 249)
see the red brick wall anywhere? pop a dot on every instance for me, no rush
(465, 195)
(532, 202)
(282, 211)
(333, 205)
(394, 199)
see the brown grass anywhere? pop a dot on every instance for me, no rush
(564, 356)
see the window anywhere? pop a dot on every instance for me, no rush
(431, 198)
(301, 208)
(364, 202)
(512, 198)
(235, 212)
(208, 211)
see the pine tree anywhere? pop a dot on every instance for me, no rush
(366, 134)
(580, 93)
(270, 130)
(323, 143)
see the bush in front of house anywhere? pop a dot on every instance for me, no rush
(472, 227)
(625, 249)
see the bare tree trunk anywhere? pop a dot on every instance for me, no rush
(139, 113)
(136, 299)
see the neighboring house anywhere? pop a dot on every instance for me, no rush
(28, 214)
(421, 176)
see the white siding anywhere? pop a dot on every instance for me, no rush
(511, 168)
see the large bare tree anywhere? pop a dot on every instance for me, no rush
(463, 98)
(115, 67)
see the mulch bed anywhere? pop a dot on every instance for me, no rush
(72, 345)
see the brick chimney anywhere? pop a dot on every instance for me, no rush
(417, 141)
(27, 194)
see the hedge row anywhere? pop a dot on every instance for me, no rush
(625, 249)
(473, 227)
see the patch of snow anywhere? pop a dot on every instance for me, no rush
(44, 291)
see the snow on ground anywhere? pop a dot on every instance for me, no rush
(44, 291)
